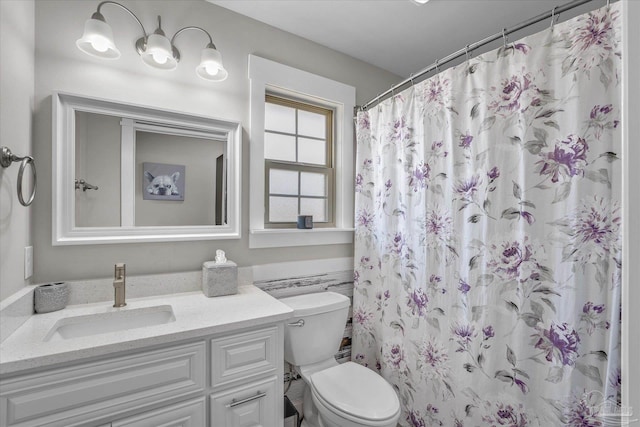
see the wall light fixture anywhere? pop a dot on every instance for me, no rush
(156, 50)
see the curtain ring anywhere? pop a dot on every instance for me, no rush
(411, 79)
(504, 37)
(554, 17)
(466, 52)
(393, 91)
(437, 66)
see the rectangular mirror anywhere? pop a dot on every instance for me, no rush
(127, 173)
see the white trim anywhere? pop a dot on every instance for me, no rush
(127, 172)
(268, 76)
(631, 206)
(63, 195)
(285, 270)
(276, 238)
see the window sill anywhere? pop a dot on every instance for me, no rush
(278, 237)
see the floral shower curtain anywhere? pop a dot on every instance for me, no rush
(488, 234)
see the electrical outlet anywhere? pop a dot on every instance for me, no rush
(28, 261)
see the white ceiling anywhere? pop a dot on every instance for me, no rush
(398, 35)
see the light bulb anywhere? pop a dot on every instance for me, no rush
(100, 44)
(212, 70)
(159, 57)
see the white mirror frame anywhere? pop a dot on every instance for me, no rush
(63, 216)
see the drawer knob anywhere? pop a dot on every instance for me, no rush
(298, 323)
(235, 402)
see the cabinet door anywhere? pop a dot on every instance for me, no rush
(187, 414)
(238, 358)
(253, 405)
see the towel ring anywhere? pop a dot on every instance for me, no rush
(7, 158)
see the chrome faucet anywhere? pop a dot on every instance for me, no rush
(119, 286)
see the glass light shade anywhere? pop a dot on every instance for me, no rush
(158, 53)
(97, 40)
(210, 67)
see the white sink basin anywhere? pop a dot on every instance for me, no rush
(114, 321)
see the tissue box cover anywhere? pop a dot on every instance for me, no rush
(219, 279)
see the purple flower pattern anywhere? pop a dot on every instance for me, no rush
(592, 42)
(593, 230)
(515, 259)
(600, 120)
(583, 410)
(419, 178)
(559, 342)
(568, 159)
(417, 302)
(484, 214)
(515, 94)
(468, 187)
(592, 316)
(463, 287)
(507, 415)
(463, 334)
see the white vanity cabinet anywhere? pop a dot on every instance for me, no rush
(226, 380)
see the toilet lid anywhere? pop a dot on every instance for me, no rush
(355, 390)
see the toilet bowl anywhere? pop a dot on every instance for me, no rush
(350, 395)
(336, 395)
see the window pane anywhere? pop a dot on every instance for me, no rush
(312, 151)
(312, 124)
(279, 118)
(313, 184)
(283, 182)
(283, 209)
(279, 147)
(315, 207)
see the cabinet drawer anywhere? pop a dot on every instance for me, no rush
(246, 406)
(243, 356)
(92, 391)
(187, 414)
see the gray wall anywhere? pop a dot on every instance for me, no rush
(16, 108)
(60, 66)
(199, 158)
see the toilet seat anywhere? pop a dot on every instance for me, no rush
(355, 393)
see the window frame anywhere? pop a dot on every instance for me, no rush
(267, 76)
(326, 168)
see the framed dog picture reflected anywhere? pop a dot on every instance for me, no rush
(163, 182)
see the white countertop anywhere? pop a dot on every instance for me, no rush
(196, 316)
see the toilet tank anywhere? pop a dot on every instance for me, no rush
(322, 317)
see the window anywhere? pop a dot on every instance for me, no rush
(298, 152)
(295, 168)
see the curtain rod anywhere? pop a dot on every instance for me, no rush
(464, 51)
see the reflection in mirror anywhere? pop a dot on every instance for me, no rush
(95, 147)
(198, 192)
(129, 173)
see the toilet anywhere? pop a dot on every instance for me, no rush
(335, 395)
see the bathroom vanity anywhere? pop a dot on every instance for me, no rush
(194, 361)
